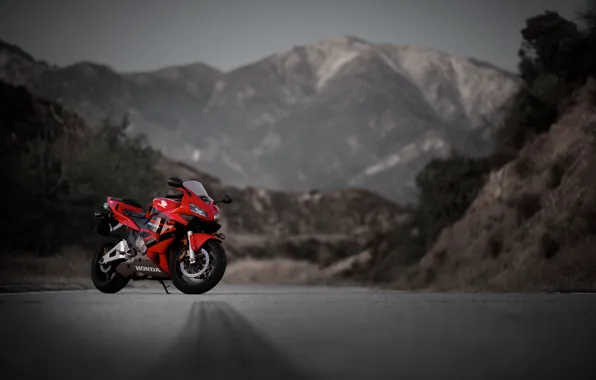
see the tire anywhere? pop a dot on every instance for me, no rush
(101, 280)
(182, 283)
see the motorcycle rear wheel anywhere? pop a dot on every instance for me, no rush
(200, 285)
(110, 281)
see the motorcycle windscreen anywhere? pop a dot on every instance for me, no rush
(196, 187)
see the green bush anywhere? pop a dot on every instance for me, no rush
(446, 187)
(61, 171)
(552, 67)
(557, 57)
(446, 190)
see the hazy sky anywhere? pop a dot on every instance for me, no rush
(133, 35)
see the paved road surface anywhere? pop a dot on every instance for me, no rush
(286, 332)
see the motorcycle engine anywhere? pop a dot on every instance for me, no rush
(140, 245)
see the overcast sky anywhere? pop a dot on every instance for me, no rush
(135, 35)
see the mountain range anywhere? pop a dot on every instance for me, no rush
(341, 112)
(50, 157)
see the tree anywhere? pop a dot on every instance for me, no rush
(447, 187)
(587, 16)
(58, 171)
(551, 45)
(552, 65)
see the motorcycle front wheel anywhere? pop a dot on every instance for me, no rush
(104, 277)
(204, 274)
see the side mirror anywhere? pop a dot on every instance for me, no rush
(226, 199)
(175, 182)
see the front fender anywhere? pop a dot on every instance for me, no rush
(199, 239)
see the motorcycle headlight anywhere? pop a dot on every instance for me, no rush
(197, 210)
(216, 217)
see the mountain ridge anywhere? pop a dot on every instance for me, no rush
(258, 125)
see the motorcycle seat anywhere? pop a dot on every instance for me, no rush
(139, 218)
(134, 214)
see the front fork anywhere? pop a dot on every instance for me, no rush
(191, 252)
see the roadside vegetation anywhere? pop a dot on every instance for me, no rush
(556, 58)
(56, 171)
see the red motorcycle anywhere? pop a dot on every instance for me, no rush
(176, 239)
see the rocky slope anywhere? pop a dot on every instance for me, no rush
(532, 225)
(340, 112)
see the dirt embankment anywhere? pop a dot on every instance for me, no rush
(69, 269)
(533, 226)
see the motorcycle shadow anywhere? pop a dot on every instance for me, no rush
(217, 342)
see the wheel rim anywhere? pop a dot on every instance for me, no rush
(183, 265)
(104, 273)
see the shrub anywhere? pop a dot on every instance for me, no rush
(549, 246)
(61, 171)
(524, 166)
(557, 170)
(446, 189)
(527, 205)
(494, 245)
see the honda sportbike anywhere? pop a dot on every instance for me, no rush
(176, 239)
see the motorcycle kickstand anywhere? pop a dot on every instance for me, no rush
(165, 287)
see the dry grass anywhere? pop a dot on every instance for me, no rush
(557, 170)
(271, 271)
(289, 271)
(69, 268)
(524, 166)
(549, 245)
(527, 205)
(494, 245)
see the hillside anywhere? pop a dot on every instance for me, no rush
(521, 219)
(532, 225)
(60, 171)
(320, 227)
(338, 113)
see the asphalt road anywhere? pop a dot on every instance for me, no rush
(286, 332)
